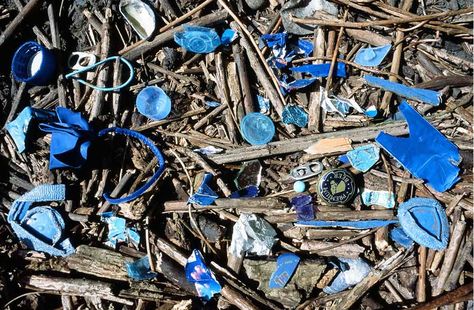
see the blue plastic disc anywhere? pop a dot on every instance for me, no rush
(154, 103)
(257, 128)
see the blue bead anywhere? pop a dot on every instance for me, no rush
(299, 186)
(153, 102)
(257, 128)
(201, 40)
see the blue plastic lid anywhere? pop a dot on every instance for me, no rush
(197, 39)
(154, 103)
(33, 64)
(257, 128)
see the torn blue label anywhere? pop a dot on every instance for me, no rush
(364, 157)
(228, 36)
(246, 192)
(426, 153)
(118, 232)
(204, 196)
(378, 198)
(295, 115)
(322, 70)
(203, 278)
(399, 237)
(357, 269)
(304, 207)
(372, 56)
(140, 270)
(286, 266)
(201, 40)
(349, 224)
(424, 95)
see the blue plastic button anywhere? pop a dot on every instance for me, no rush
(257, 128)
(201, 40)
(33, 64)
(154, 103)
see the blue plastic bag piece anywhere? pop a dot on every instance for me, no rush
(286, 266)
(212, 104)
(343, 159)
(303, 207)
(305, 47)
(246, 192)
(364, 157)
(228, 36)
(426, 153)
(372, 56)
(371, 112)
(295, 115)
(200, 40)
(40, 228)
(140, 270)
(204, 196)
(263, 104)
(203, 278)
(425, 221)
(424, 95)
(349, 224)
(357, 270)
(275, 40)
(399, 237)
(257, 128)
(117, 230)
(322, 70)
(379, 198)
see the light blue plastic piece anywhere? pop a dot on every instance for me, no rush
(263, 104)
(424, 95)
(372, 56)
(322, 70)
(371, 111)
(228, 36)
(286, 266)
(118, 232)
(213, 104)
(349, 224)
(378, 198)
(203, 278)
(154, 103)
(364, 157)
(295, 115)
(425, 221)
(426, 153)
(357, 270)
(200, 40)
(399, 237)
(140, 270)
(204, 196)
(41, 228)
(257, 128)
(299, 186)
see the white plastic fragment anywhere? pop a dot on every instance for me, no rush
(252, 234)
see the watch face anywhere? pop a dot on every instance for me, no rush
(336, 186)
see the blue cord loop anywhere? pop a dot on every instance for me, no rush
(154, 149)
(88, 68)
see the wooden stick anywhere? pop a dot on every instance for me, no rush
(188, 14)
(27, 10)
(203, 121)
(314, 108)
(463, 293)
(16, 101)
(335, 53)
(243, 78)
(421, 284)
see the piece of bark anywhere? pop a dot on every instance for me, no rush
(241, 64)
(342, 250)
(18, 20)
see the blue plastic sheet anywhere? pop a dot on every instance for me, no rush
(303, 205)
(372, 56)
(322, 70)
(364, 157)
(426, 153)
(286, 266)
(140, 270)
(349, 224)
(203, 278)
(295, 115)
(399, 237)
(356, 269)
(201, 40)
(204, 196)
(424, 95)
(117, 230)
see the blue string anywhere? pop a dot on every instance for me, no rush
(88, 68)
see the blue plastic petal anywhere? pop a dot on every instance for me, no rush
(203, 278)
(296, 84)
(357, 270)
(364, 157)
(257, 128)
(372, 56)
(426, 153)
(295, 115)
(399, 237)
(228, 36)
(286, 266)
(139, 270)
(349, 224)
(201, 40)
(322, 70)
(425, 221)
(204, 196)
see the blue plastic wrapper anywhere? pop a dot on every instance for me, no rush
(140, 270)
(203, 278)
(118, 232)
(399, 237)
(304, 207)
(41, 228)
(372, 56)
(425, 221)
(228, 36)
(204, 196)
(356, 270)
(257, 128)
(322, 70)
(367, 224)
(295, 115)
(426, 153)
(424, 95)
(200, 40)
(246, 192)
(286, 266)
(364, 157)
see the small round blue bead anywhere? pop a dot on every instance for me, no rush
(299, 186)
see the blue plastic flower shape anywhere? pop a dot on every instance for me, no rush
(201, 40)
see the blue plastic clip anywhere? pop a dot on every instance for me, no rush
(201, 40)
(203, 278)
(286, 266)
(140, 269)
(372, 56)
(295, 115)
(204, 196)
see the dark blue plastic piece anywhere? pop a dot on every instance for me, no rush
(33, 64)
(140, 270)
(322, 70)
(356, 269)
(257, 128)
(349, 224)
(228, 36)
(118, 232)
(295, 115)
(304, 207)
(246, 192)
(304, 47)
(154, 103)
(426, 153)
(364, 157)
(286, 266)
(424, 95)
(343, 159)
(203, 278)
(201, 40)
(425, 221)
(41, 228)
(204, 196)
(399, 237)
(372, 56)
(275, 40)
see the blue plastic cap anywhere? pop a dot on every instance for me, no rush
(154, 103)
(201, 40)
(257, 128)
(33, 64)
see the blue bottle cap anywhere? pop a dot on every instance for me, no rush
(257, 128)
(197, 39)
(33, 64)
(154, 103)
(336, 186)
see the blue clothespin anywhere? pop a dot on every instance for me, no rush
(204, 196)
(201, 40)
(203, 278)
(286, 266)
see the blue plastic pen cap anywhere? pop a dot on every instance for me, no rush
(33, 64)
(154, 103)
(257, 128)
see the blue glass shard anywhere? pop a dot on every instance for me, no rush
(364, 157)
(322, 70)
(372, 56)
(303, 207)
(204, 196)
(228, 36)
(139, 270)
(246, 192)
(378, 198)
(286, 266)
(425, 221)
(201, 40)
(399, 237)
(203, 278)
(349, 224)
(294, 115)
(424, 95)
(426, 153)
(357, 270)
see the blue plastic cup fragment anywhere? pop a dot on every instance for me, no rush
(140, 270)
(400, 237)
(257, 128)
(203, 278)
(364, 157)
(286, 267)
(154, 103)
(200, 40)
(204, 196)
(372, 56)
(33, 64)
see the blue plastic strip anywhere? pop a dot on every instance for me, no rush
(322, 70)
(349, 224)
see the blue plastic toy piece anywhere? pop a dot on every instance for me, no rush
(228, 36)
(154, 103)
(295, 115)
(357, 270)
(286, 266)
(200, 40)
(322, 70)
(304, 207)
(299, 186)
(204, 196)
(424, 95)
(426, 153)
(372, 56)
(118, 232)
(246, 192)
(203, 278)
(425, 221)
(33, 64)
(368, 224)
(41, 228)
(364, 157)
(399, 237)
(257, 128)
(140, 270)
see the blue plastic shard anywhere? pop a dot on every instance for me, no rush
(203, 278)
(212, 104)
(304, 207)
(296, 84)
(378, 198)
(357, 270)
(41, 228)
(295, 115)
(424, 95)
(364, 157)
(140, 270)
(304, 47)
(426, 153)
(204, 196)
(263, 104)
(372, 56)
(275, 40)
(200, 40)
(399, 237)
(228, 36)
(117, 230)
(349, 224)
(286, 266)
(371, 111)
(322, 70)
(343, 159)
(246, 192)
(425, 221)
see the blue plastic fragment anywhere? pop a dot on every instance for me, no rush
(364, 157)
(322, 70)
(357, 270)
(378, 198)
(257, 128)
(41, 228)
(304, 47)
(426, 153)
(399, 237)
(228, 36)
(246, 192)
(304, 207)
(33, 64)
(295, 115)
(343, 159)
(425, 221)
(286, 266)
(200, 40)
(275, 40)
(263, 104)
(372, 56)
(204, 196)
(371, 111)
(212, 104)
(140, 270)
(117, 230)
(203, 278)
(349, 224)
(296, 84)
(154, 103)
(424, 95)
